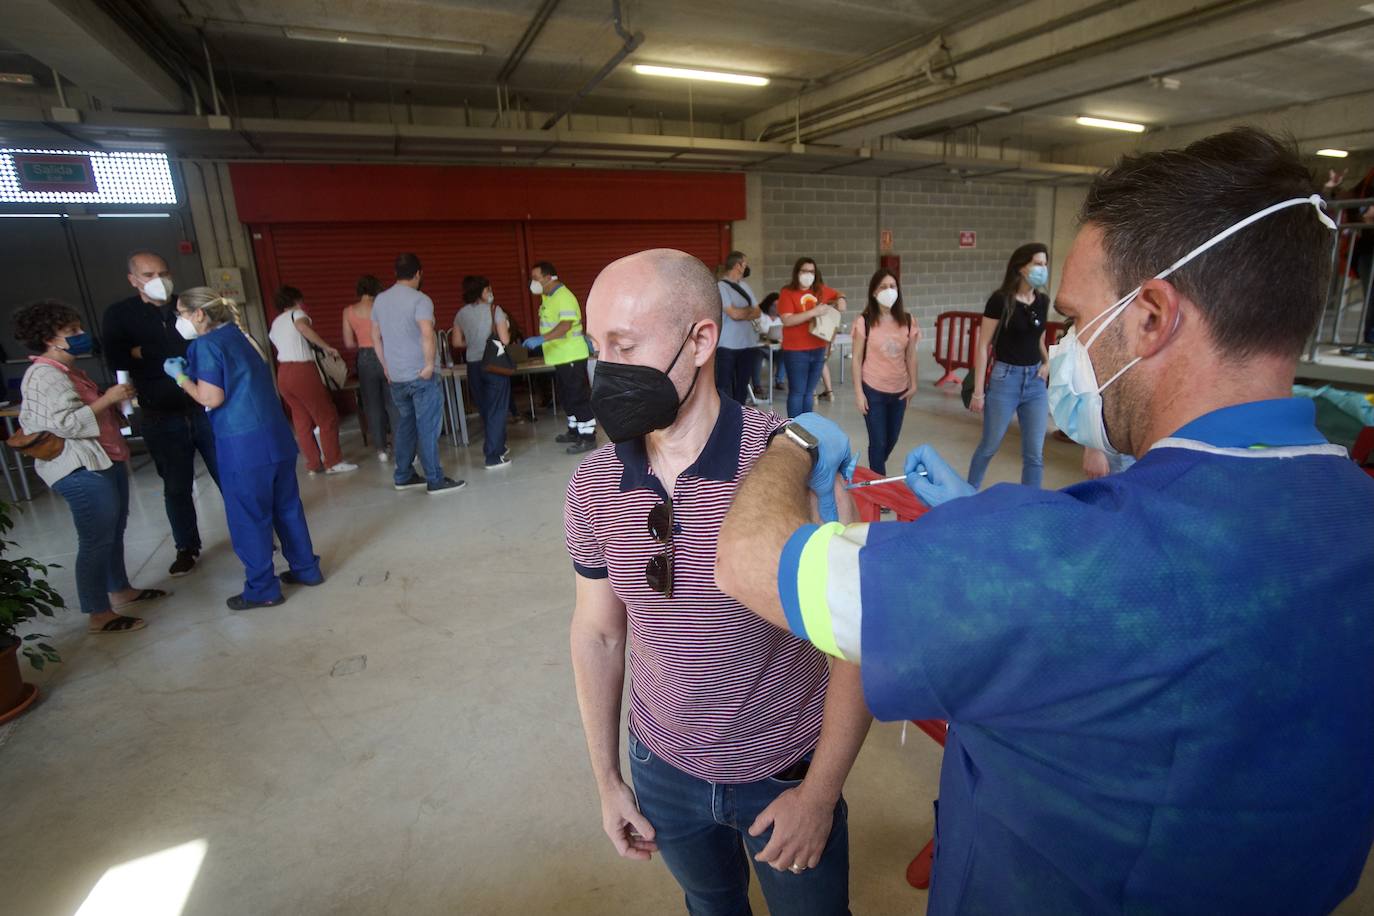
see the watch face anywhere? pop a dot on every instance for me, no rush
(803, 437)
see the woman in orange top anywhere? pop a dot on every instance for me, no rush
(803, 354)
(373, 390)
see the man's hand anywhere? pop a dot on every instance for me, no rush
(1095, 463)
(834, 457)
(801, 827)
(531, 342)
(631, 833)
(427, 372)
(940, 484)
(136, 352)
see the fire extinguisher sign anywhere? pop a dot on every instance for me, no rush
(968, 239)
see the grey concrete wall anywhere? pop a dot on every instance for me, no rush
(837, 221)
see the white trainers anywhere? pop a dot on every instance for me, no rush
(343, 467)
(382, 457)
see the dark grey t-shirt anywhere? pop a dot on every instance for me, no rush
(474, 320)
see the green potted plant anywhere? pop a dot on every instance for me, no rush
(22, 598)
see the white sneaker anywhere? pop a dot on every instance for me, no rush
(343, 467)
(382, 457)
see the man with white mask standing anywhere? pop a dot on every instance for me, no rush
(1181, 717)
(138, 334)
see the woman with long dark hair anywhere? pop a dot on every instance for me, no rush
(885, 339)
(1014, 326)
(804, 298)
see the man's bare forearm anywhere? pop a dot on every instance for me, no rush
(770, 505)
(843, 730)
(599, 672)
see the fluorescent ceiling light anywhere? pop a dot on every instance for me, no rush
(1112, 125)
(400, 42)
(709, 76)
(17, 79)
(134, 215)
(1333, 153)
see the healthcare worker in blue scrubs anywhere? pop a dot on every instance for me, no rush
(1160, 684)
(257, 452)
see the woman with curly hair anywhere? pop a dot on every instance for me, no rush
(91, 471)
(253, 444)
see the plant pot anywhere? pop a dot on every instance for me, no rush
(15, 695)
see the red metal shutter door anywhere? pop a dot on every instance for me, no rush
(324, 261)
(581, 250)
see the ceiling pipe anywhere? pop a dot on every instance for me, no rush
(631, 43)
(210, 68)
(522, 47)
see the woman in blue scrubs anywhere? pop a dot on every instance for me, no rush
(257, 452)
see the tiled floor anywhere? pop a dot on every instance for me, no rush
(444, 774)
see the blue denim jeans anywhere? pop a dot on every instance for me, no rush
(884, 422)
(99, 501)
(419, 421)
(492, 395)
(702, 832)
(735, 371)
(803, 375)
(173, 440)
(1017, 390)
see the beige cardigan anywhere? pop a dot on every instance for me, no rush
(51, 404)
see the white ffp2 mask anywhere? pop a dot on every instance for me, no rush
(159, 289)
(886, 297)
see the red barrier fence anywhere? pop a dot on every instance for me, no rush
(956, 341)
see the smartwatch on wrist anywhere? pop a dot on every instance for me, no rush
(801, 436)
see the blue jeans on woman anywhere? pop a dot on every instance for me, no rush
(492, 396)
(803, 375)
(1021, 391)
(702, 832)
(99, 501)
(884, 421)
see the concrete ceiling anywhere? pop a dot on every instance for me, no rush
(891, 86)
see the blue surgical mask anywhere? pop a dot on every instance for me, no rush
(1074, 395)
(80, 344)
(1038, 276)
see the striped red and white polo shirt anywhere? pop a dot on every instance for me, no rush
(714, 690)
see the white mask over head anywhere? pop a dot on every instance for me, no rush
(1074, 395)
(158, 289)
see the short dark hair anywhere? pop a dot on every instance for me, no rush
(37, 323)
(286, 297)
(407, 266)
(796, 269)
(733, 258)
(367, 285)
(1011, 280)
(473, 284)
(546, 268)
(1261, 291)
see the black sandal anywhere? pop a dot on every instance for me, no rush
(148, 594)
(121, 624)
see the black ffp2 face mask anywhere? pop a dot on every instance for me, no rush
(632, 401)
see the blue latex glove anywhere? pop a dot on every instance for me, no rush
(940, 484)
(174, 366)
(835, 457)
(532, 342)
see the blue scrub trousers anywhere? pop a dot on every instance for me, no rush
(257, 500)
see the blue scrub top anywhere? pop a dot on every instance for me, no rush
(250, 428)
(1160, 684)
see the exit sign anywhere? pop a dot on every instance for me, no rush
(46, 172)
(968, 239)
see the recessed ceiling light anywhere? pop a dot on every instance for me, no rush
(1109, 124)
(709, 76)
(1333, 153)
(399, 42)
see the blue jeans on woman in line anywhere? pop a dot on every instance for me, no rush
(99, 501)
(492, 395)
(1021, 391)
(884, 421)
(803, 375)
(702, 832)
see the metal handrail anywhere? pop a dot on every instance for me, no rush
(1338, 287)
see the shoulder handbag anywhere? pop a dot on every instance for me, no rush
(333, 369)
(42, 445)
(496, 358)
(966, 390)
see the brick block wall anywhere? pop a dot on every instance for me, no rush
(837, 220)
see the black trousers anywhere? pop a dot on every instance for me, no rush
(574, 391)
